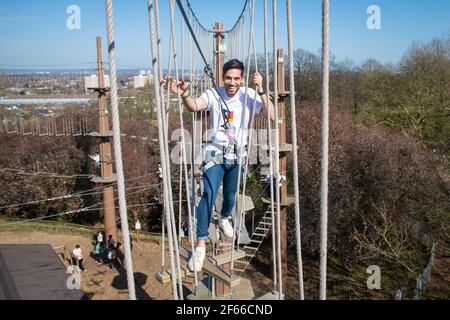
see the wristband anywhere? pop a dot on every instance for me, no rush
(185, 94)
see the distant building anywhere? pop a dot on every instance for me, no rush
(141, 80)
(92, 82)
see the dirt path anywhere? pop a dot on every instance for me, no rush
(99, 282)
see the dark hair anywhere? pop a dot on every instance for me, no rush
(110, 236)
(77, 246)
(233, 64)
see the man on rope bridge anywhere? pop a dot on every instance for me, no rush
(222, 153)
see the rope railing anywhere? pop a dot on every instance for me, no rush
(294, 143)
(212, 30)
(162, 147)
(324, 151)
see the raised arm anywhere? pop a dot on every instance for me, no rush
(192, 104)
(268, 106)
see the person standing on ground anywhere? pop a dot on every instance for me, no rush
(112, 258)
(111, 241)
(98, 253)
(78, 257)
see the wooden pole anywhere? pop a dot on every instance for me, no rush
(219, 55)
(283, 163)
(106, 167)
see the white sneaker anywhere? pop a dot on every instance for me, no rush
(226, 227)
(199, 256)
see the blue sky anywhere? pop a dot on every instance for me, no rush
(34, 32)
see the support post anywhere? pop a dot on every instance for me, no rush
(219, 53)
(283, 162)
(106, 167)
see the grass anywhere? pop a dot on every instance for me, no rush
(66, 228)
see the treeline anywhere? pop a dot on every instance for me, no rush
(412, 97)
(27, 162)
(388, 189)
(389, 175)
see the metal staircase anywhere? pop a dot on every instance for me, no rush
(260, 232)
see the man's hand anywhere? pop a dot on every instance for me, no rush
(174, 86)
(258, 81)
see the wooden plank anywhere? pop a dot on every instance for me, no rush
(259, 234)
(271, 296)
(213, 270)
(226, 257)
(97, 179)
(163, 277)
(96, 134)
(286, 203)
(251, 248)
(287, 147)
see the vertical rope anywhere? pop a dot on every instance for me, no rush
(182, 42)
(118, 150)
(180, 199)
(183, 140)
(277, 145)
(159, 45)
(191, 217)
(269, 128)
(250, 138)
(168, 174)
(163, 240)
(294, 143)
(242, 144)
(161, 145)
(165, 125)
(324, 164)
(165, 120)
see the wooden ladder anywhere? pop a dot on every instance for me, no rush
(259, 234)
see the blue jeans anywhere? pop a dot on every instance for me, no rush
(212, 178)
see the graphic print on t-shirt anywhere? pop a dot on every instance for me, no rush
(235, 114)
(229, 116)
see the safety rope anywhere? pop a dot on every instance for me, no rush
(212, 31)
(183, 141)
(118, 149)
(207, 68)
(250, 136)
(324, 161)
(242, 142)
(294, 143)
(277, 147)
(269, 129)
(162, 147)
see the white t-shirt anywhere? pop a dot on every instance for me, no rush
(239, 126)
(77, 253)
